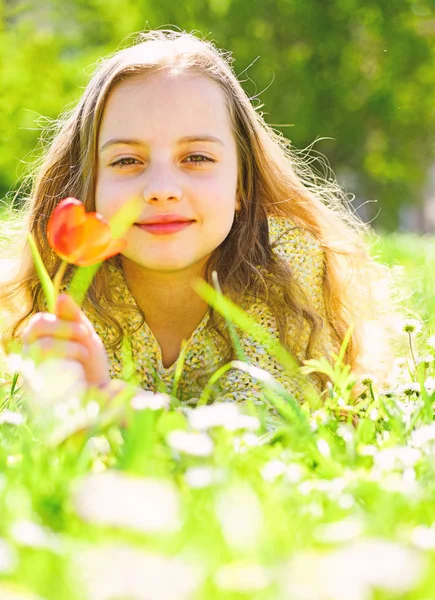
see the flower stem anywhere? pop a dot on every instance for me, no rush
(412, 351)
(57, 281)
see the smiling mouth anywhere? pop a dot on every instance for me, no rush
(163, 228)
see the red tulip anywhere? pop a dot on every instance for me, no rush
(78, 237)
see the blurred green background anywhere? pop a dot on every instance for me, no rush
(358, 73)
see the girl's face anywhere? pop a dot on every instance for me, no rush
(167, 140)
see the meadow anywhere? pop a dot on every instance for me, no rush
(147, 500)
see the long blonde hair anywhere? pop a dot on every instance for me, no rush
(273, 180)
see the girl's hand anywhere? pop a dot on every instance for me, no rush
(70, 335)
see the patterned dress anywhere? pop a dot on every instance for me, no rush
(204, 350)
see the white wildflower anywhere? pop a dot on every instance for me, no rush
(251, 439)
(386, 565)
(242, 443)
(92, 409)
(115, 499)
(324, 448)
(403, 483)
(246, 422)
(427, 360)
(200, 477)
(369, 450)
(98, 446)
(407, 407)
(314, 576)
(383, 436)
(346, 501)
(313, 509)
(14, 459)
(409, 389)
(151, 401)
(431, 341)
(8, 558)
(333, 488)
(33, 535)
(240, 514)
(399, 458)
(66, 418)
(429, 385)
(368, 379)
(11, 417)
(423, 435)
(12, 591)
(353, 572)
(346, 432)
(339, 531)
(16, 363)
(53, 380)
(221, 414)
(190, 442)
(374, 414)
(242, 577)
(411, 326)
(56, 380)
(273, 469)
(294, 473)
(423, 537)
(119, 571)
(318, 417)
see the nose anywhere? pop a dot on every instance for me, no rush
(161, 186)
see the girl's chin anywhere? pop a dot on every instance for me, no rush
(167, 264)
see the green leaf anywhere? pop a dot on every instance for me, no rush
(233, 313)
(44, 277)
(178, 373)
(125, 216)
(366, 431)
(81, 281)
(241, 355)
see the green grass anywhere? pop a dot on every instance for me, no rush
(414, 257)
(135, 500)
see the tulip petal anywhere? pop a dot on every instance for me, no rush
(81, 238)
(97, 233)
(100, 252)
(99, 244)
(69, 242)
(68, 214)
(115, 247)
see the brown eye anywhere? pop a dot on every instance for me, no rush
(125, 162)
(199, 158)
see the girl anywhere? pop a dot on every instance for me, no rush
(167, 123)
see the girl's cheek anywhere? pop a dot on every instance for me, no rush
(106, 202)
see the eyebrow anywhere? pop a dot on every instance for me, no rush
(188, 139)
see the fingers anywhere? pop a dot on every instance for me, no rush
(67, 309)
(47, 325)
(47, 347)
(68, 334)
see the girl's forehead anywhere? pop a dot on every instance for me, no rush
(167, 93)
(169, 101)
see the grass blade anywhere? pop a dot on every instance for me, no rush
(44, 277)
(81, 281)
(233, 333)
